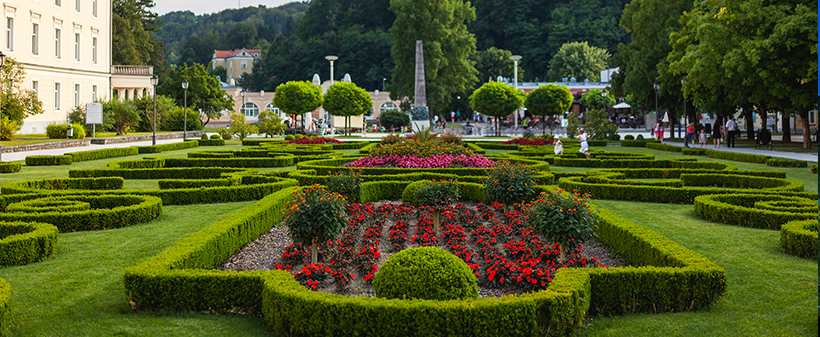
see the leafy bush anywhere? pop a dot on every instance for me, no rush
(348, 184)
(204, 136)
(438, 195)
(451, 138)
(223, 132)
(563, 218)
(11, 167)
(640, 137)
(56, 131)
(290, 137)
(629, 137)
(8, 129)
(509, 183)
(744, 157)
(783, 162)
(47, 160)
(215, 137)
(425, 273)
(814, 168)
(391, 138)
(394, 119)
(315, 215)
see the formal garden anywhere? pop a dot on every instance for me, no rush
(420, 235)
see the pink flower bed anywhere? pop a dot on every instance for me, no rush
(437, 161)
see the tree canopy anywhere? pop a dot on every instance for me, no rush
(297, 97)
(347, 99)
(594, 99)
(441, 26)
(549, 99)
(18, 103)
(205, 93)
(496, 99)
(132, 42)
(579, 60)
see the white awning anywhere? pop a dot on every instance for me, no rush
(621, 105)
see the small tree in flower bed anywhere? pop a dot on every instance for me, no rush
(451, 138)
(348, 184)
(528, 141)
(315, 140)
(315, 215)
(437, 195)
(562, 217)
(509, 183)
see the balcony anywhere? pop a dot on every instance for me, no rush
(132, 70)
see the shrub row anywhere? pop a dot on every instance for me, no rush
(168, 147)
(693, 152)
(46, 160)
(107, 211)
(332, 166)
(744, 157)
(495, 146)
(103, 153)
(137, 164)
(25, 186)
(279, 161)
(366, 149)
(260, 142)
(800, 238)
(5, 307)
(10, 167)
(664, 147)
(738, 210)
(48, 205)
(26, 242)
(211, 142)
(350, 145)
(637, 142)
(211, 154)
(676, 172)
(475, 148)
(601, 143)
(468, 192)
(741, 181)
(167, 184)
(783, 162)
(309, 177)
(638, 163)
(157, 173)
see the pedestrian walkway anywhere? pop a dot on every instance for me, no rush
(812, 157)
(20, 156)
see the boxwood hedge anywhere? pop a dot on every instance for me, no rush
(10, 167)
(107, 211)
(739, 210)
(800, 238)
(26, 242)
(46, 160)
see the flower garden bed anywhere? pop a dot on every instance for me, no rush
(505, 256)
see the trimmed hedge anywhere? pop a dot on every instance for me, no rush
(664, 147)
(782, 162)
(107, 211)
(637, 142)
(693, 152)
(211, 142)
(259, 142)
(154, 173)
(211, 154)
(25, 186)
(744, 157)
(46, 160)
(597, 142)
(350, 145)
(166, 184)
(333, 166)
(814, 168)
(26, 242)
(168, 147)
(495, 145)
(137, 164)
(800, 238)
(9, 167)
(279, 161)
(738, 210)
(103, 153)
(741, 181)
(5, 307)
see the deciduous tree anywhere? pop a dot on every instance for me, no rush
(18, 103)
(205, 94)
(347, 99)
(297, 97)
(496, 99)
(548, 100)
(579, 60)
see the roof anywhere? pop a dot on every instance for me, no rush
(221, 54)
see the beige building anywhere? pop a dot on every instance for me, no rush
(236, 62)
(64, 47)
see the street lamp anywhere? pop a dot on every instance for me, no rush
(332, 58)
(515, 59)
(383, 79)
(242, 107)
(154, 81)
(185, 111)
(682, 82)
(2, 62)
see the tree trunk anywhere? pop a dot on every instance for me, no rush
(804, 122)
(787, 130)
(436, 223)
(748, 116)
(314, 252)
(563, 257)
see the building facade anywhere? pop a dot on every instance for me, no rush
(236, 62)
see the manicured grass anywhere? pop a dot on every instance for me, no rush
(769, 292)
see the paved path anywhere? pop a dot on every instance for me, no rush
(20, 156)
(812, 157)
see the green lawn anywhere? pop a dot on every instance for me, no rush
(79, 290)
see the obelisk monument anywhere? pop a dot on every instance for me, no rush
(420, 116)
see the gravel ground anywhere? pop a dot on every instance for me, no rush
(266, 251)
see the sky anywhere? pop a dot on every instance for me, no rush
(211, 6)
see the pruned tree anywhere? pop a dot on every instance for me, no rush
(496, 99)
(548, 100)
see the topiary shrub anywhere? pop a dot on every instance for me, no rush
(204, 136)
(425, 273)
(629, 137)
(563, 218)
(438, 195)
(315, 215)
(215, 137)
(509, 183)
(290, 137)
(640, 137)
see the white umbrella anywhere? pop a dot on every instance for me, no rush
(621, 105)
(666, 117)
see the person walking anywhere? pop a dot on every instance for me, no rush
(690, 134)
(702, 139)
(717, 135)
(656, 129)
(660, 132)
(731, 132)
(582, 136)
(559, 147)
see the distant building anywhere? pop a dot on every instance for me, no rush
(236, 62)
(65, 49)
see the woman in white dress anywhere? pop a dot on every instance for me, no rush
(559, 147)
(584, 143)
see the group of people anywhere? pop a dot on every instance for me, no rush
(718, 131)
(582, 137)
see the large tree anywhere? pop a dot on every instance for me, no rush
(347, 99)
(496, 99)
(493, 62)
(579, 60)
(595, 99)
(205, 94)
(16, 102)
(297, 97)
(441, 26)
(548, 100)
(133, 23)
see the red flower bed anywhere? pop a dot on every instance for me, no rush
(317, 140)
(525, 141)
(502, 252)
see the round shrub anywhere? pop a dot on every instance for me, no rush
(214, 137)
(290, 137)
(629, 137)
(425, 273)
(204, 136)
(509, 183)
(78, 131)
(56, 131)
(640, 137)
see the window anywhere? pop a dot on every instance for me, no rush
(250, 110)
(76, 94)
(77, 5)
(35, 39)
(57, 39)
(76, 46)
(812, 117)
(231, 65)
(9, 33)
(35, 86)
(94, 49)
(56, 96)
(58, 3)
(94, 93)
(244, 64)
(388, 106)
(94, 8)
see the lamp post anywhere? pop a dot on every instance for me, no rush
(185, 111)
(383, 79)
(332, 58)
(515, 59)
(2, 62)
(603, 94)
(242, 107)
(682, 82)
(154, 81)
